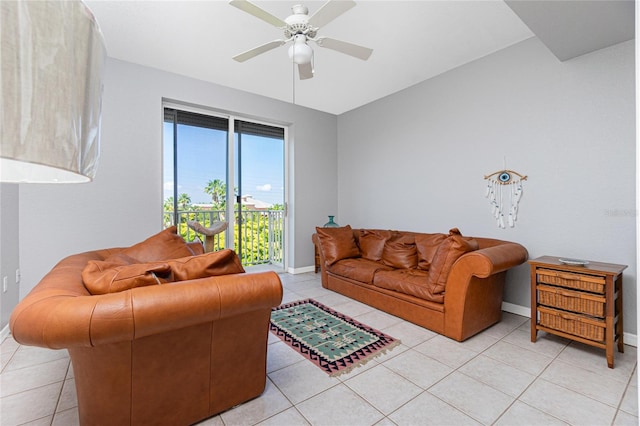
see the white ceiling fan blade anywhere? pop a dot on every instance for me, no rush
(305, 71)
(258, 12)
(351, 49)
(330, 11)
(258, 50)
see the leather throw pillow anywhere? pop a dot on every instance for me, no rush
(400, 252)
(223, 262)
(104, 276)
(166, 244)
(371, 243)
(101, 277)
(450, 250)
(337, 243)
(427, 245)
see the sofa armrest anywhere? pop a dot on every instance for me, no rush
(475, 286)
(56, 319)
(323, 267)
(491, 260)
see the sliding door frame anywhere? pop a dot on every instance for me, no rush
(231, 159)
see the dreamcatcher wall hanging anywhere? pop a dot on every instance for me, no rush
(504, 190)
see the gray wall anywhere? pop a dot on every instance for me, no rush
(416, 159)
(9, 249)
(123, 204)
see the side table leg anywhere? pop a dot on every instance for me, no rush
(620, 323)
(610, 331)
(534, 330)
(610, 335)
(534, 305)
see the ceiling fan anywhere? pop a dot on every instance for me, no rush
(299, 28)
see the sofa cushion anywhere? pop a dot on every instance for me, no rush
(337, 243)
(400, 252)
(371, 243)
(454, 246)
(407, 281)
(110, 276)
(166, 244)
(362, 270)
(427, 245)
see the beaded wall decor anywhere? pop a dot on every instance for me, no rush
(504, 190)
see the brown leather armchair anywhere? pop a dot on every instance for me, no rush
(164, 354)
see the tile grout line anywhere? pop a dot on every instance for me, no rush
(537, 376)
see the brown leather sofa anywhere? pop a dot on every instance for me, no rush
(450, 284)
(169, 354)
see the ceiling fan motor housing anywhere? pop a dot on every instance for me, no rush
(298, 23)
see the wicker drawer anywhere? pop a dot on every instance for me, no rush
(570, 300)
(591, 283)
(578, 325)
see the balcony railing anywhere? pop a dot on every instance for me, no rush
(258, 235)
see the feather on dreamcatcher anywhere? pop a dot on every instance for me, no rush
(504, 190)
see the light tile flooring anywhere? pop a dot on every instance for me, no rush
(495, 378)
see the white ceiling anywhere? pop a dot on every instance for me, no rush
(412, 41)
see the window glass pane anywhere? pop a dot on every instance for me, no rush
(202, 159)
(198, 161)
(263, 170)
(260, 167)
(167, 173)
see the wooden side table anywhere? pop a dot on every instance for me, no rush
(579, 302)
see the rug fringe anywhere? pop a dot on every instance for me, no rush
(365, 360)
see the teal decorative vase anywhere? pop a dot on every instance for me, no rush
(331, 223)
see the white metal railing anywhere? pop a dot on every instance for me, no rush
(258, 235)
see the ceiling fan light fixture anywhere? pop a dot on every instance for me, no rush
(300, 52)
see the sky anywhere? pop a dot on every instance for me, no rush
(202, 155)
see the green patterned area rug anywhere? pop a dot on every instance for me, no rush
(329, 339)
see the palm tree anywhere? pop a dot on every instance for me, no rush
(217, 189)
(184, 201)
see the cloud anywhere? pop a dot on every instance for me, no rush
(168, 186)
(265, 188)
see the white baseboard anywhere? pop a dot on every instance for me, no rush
(4, 333)
(525, 311)
(302, 270)
(630, 339)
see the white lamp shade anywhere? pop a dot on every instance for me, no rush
(300, 52)
(52, 57)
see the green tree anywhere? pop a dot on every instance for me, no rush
(168, 209)
(168, 204)
(184, 201)
(217, 189)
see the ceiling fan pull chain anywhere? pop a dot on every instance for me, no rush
(293, 81)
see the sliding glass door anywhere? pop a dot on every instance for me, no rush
(212, 174)
(259, 159)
